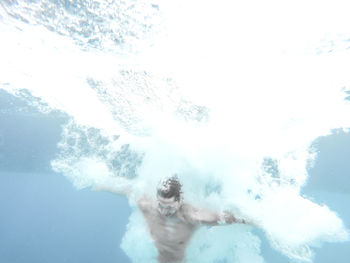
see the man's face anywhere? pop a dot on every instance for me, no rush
(168, 206)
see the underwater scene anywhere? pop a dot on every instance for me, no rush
(247, 102)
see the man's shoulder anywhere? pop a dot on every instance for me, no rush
(145, 203)
(188, 212)
(188, 208)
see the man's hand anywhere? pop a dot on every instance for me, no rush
(228, 218)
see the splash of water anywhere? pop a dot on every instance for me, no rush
(225, 97)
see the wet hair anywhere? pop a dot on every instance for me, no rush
(170, 187)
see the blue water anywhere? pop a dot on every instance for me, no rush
(44, 219)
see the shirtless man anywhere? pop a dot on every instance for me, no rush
(171, 222)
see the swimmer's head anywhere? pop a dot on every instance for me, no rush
(169, 196)
(170, 187)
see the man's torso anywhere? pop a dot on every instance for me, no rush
(170, 234)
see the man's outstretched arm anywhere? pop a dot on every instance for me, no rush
(206, 217)
(115, 185)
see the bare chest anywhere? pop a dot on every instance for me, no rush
(172, 231)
